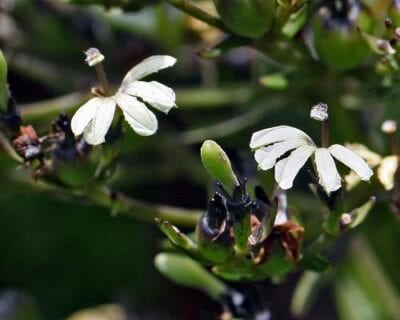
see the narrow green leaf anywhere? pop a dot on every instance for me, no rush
(186, 272)
(3, 83)
(359, 214)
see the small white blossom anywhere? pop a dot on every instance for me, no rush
(94, 118)
(274, 143)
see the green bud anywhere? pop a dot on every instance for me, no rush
(336, 39)
(3, 83)
(186, 272)
(218, 165)
(248, 18)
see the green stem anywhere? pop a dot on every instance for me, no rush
(194, 11)
(126, 206)
(188, 98)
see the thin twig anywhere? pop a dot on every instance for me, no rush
(120, 204)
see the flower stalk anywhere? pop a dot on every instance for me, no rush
(102, 76)
(94, 58)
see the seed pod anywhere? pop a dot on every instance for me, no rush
(248, 18)
(212, 232)
(336, 39)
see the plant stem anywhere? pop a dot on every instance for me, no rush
(122, 205)
(194, 11)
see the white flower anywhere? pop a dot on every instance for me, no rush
(274, 143)
(94, 118)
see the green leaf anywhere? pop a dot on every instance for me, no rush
(186, 272)
(305, 293)
(359, 214)
(295, 22)
(3, 83)
(316, 263)
(275, 81)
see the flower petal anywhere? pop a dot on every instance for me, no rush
(96, 131)
(373, 159)
(277, 134)
(387, 171)
(154, 93)
(352, 160)
(84, 115)
(266, 157)
(287, 169)
(148, 66)
(329, 177)
(139, 117)
(280, 165)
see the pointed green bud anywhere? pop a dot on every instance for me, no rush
(218, 165)
(3, 83)
(186, 272)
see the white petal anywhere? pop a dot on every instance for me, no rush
(329, 177)
(387, 171)
(84, 115)
(372, 158)
(266, 157)
(287, 169)
(139, 117)
(280, 165)
(277, 134)
(154, 93)
(352, 160)
(97, 129)
(148, 66)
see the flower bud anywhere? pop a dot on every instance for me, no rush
(336, 39)
(213, 234)
(248, 18)
(218, 165)
(186, 272)
(3, 83)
